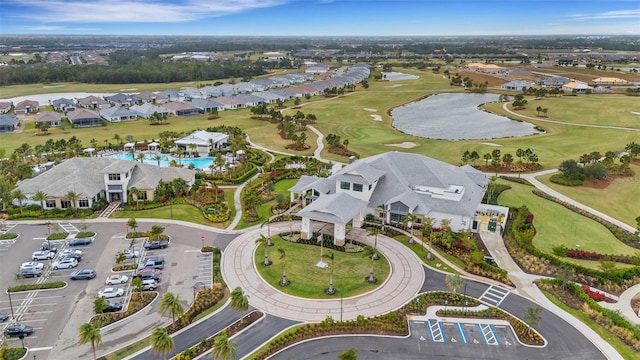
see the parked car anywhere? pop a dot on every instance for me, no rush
(110, 292)
(31, 272)
(155, 262)
(42, 255)
(47, 244)
(18, 329)
(64, 263)
(75, 256)
(71, 253)
(130, 254)
(4, 316)
(84, 274)
(149, 273)
(116, 279)
(112, 306)
(80, 242)
(149, 284)
(156, 244)
(32, 264)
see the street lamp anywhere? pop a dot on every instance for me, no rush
(202, 240)
(11, 305)
(445, 306)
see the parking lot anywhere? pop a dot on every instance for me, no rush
(463, 333)
(57, 314)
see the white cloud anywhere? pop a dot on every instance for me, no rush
(136, 11)
(616, 14)
(46, 28)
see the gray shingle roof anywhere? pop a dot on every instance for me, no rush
(334, 208)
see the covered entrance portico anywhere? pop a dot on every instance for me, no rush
(337, 209)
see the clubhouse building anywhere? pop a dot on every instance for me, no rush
(390, 186)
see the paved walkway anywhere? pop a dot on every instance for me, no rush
(403, 284)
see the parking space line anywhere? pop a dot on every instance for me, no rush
(464, 338)
(488, 334)
(435, 330)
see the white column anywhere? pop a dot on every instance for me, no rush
(307, 229)
(338, 234)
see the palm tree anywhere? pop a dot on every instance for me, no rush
(263, 241)
(374, 231)
(135, 193)
(40, 196)
(17, 194)
(90, 333)
(454, 282)
(171, 303)
(428, 230)
(223, 348)
(133, 224)
(409, 220)
(283, 258)
(157, 157)
(269, 243)
(161, 342)
(72, 196)
(192, 148)
(330, 290)
(156, 231)
(239, 301)
(289, 218)
(140, 157)
(99, 306)
(370, 252)
(117, 138)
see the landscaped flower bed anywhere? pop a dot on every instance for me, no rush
(124, 267)
(138, 301)
(596, 295)
(85, 234)
(204, 300)
(58, 236)
(8, 236)
(41, 286)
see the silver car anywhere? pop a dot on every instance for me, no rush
(65, 263)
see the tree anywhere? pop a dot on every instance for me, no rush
(263, 241)
(90, 333)
(454, 282)
(117, 138)
(349, 354)
(136, 284)
(133, 224)
(532, 317)
(156, 231)
(428, 229)
(409, 221)
(374, 231)
(100, 305)
(170, 303)
(140, 157)
(370, 252)
(571, 171)
(638, 225)
(486, 158)
(269, 243)
(135, 194)
(223, 348)
(161, 342)
(283, 258)
(331, 257)
(239, 301)
(120, 257)
(157, 157)
(72, 196)
(565, 273)
(17, 194)
(40, 196)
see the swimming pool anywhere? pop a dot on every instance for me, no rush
(198, 163)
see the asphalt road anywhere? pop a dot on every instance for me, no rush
(565, 342)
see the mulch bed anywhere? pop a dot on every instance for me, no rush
(247, 320)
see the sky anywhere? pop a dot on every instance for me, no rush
(321, 17)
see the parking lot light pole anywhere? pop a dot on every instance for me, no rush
(11, 305)
(202, 240)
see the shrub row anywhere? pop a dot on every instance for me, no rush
(44, 285)
(58, 236)
(205, 299)
(85, 234)
(596, 295)
(138, 301)
(516, 180)
(8, 236)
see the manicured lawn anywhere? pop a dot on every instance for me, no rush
(179, 212)
(421, 251)
(556, 225)
(309, 281)
(621, 199)
(281, 187)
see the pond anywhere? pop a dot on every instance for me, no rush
(457, 116)
(397, 76)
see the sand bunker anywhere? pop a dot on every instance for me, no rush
(131, 89)
(369, 109)
(635, 113)
(404, 145)
(376, 117)
(490, 144)
(52, 86)
(394, 86)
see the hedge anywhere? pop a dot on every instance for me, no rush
(42, 286)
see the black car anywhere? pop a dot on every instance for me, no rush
(112, 306)
(84, 274)
(47, 246)
(31, 272)
(156, 244)
(149, 273)
(18, 329)
(80, 242)
(4, 316)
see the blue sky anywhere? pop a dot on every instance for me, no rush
(321, 17)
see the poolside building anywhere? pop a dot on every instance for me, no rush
(204, 141)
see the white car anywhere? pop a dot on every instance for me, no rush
(130, 254)
(42, 255)
(65, 263)
(110, 292)
(67, 252)
(116, 279)
(32, 265)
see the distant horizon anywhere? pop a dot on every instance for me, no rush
(320, 18)
(330, 36)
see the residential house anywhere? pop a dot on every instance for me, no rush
(182, 109)
(485, 68)
(26, 107)
(170, 95)
(149, 97)
(84, 118)
(118, 114)
(207, 105)
(229, 102)
(554, 82)
(317, 69)
(192, 93)
(211, 91)
(268, 97)
(390, 186)
(96, 177)
(147, 110)
(516, 85)
(49, 117)
(63, 104)
(609, 81)
(8, 122)
(576, 87)
(5, 107)
(205, 141)
(120, 99)
(227, 90)
(249, 100)
(93, 102)
(244, 87)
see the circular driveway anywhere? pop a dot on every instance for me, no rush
(406, 278)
